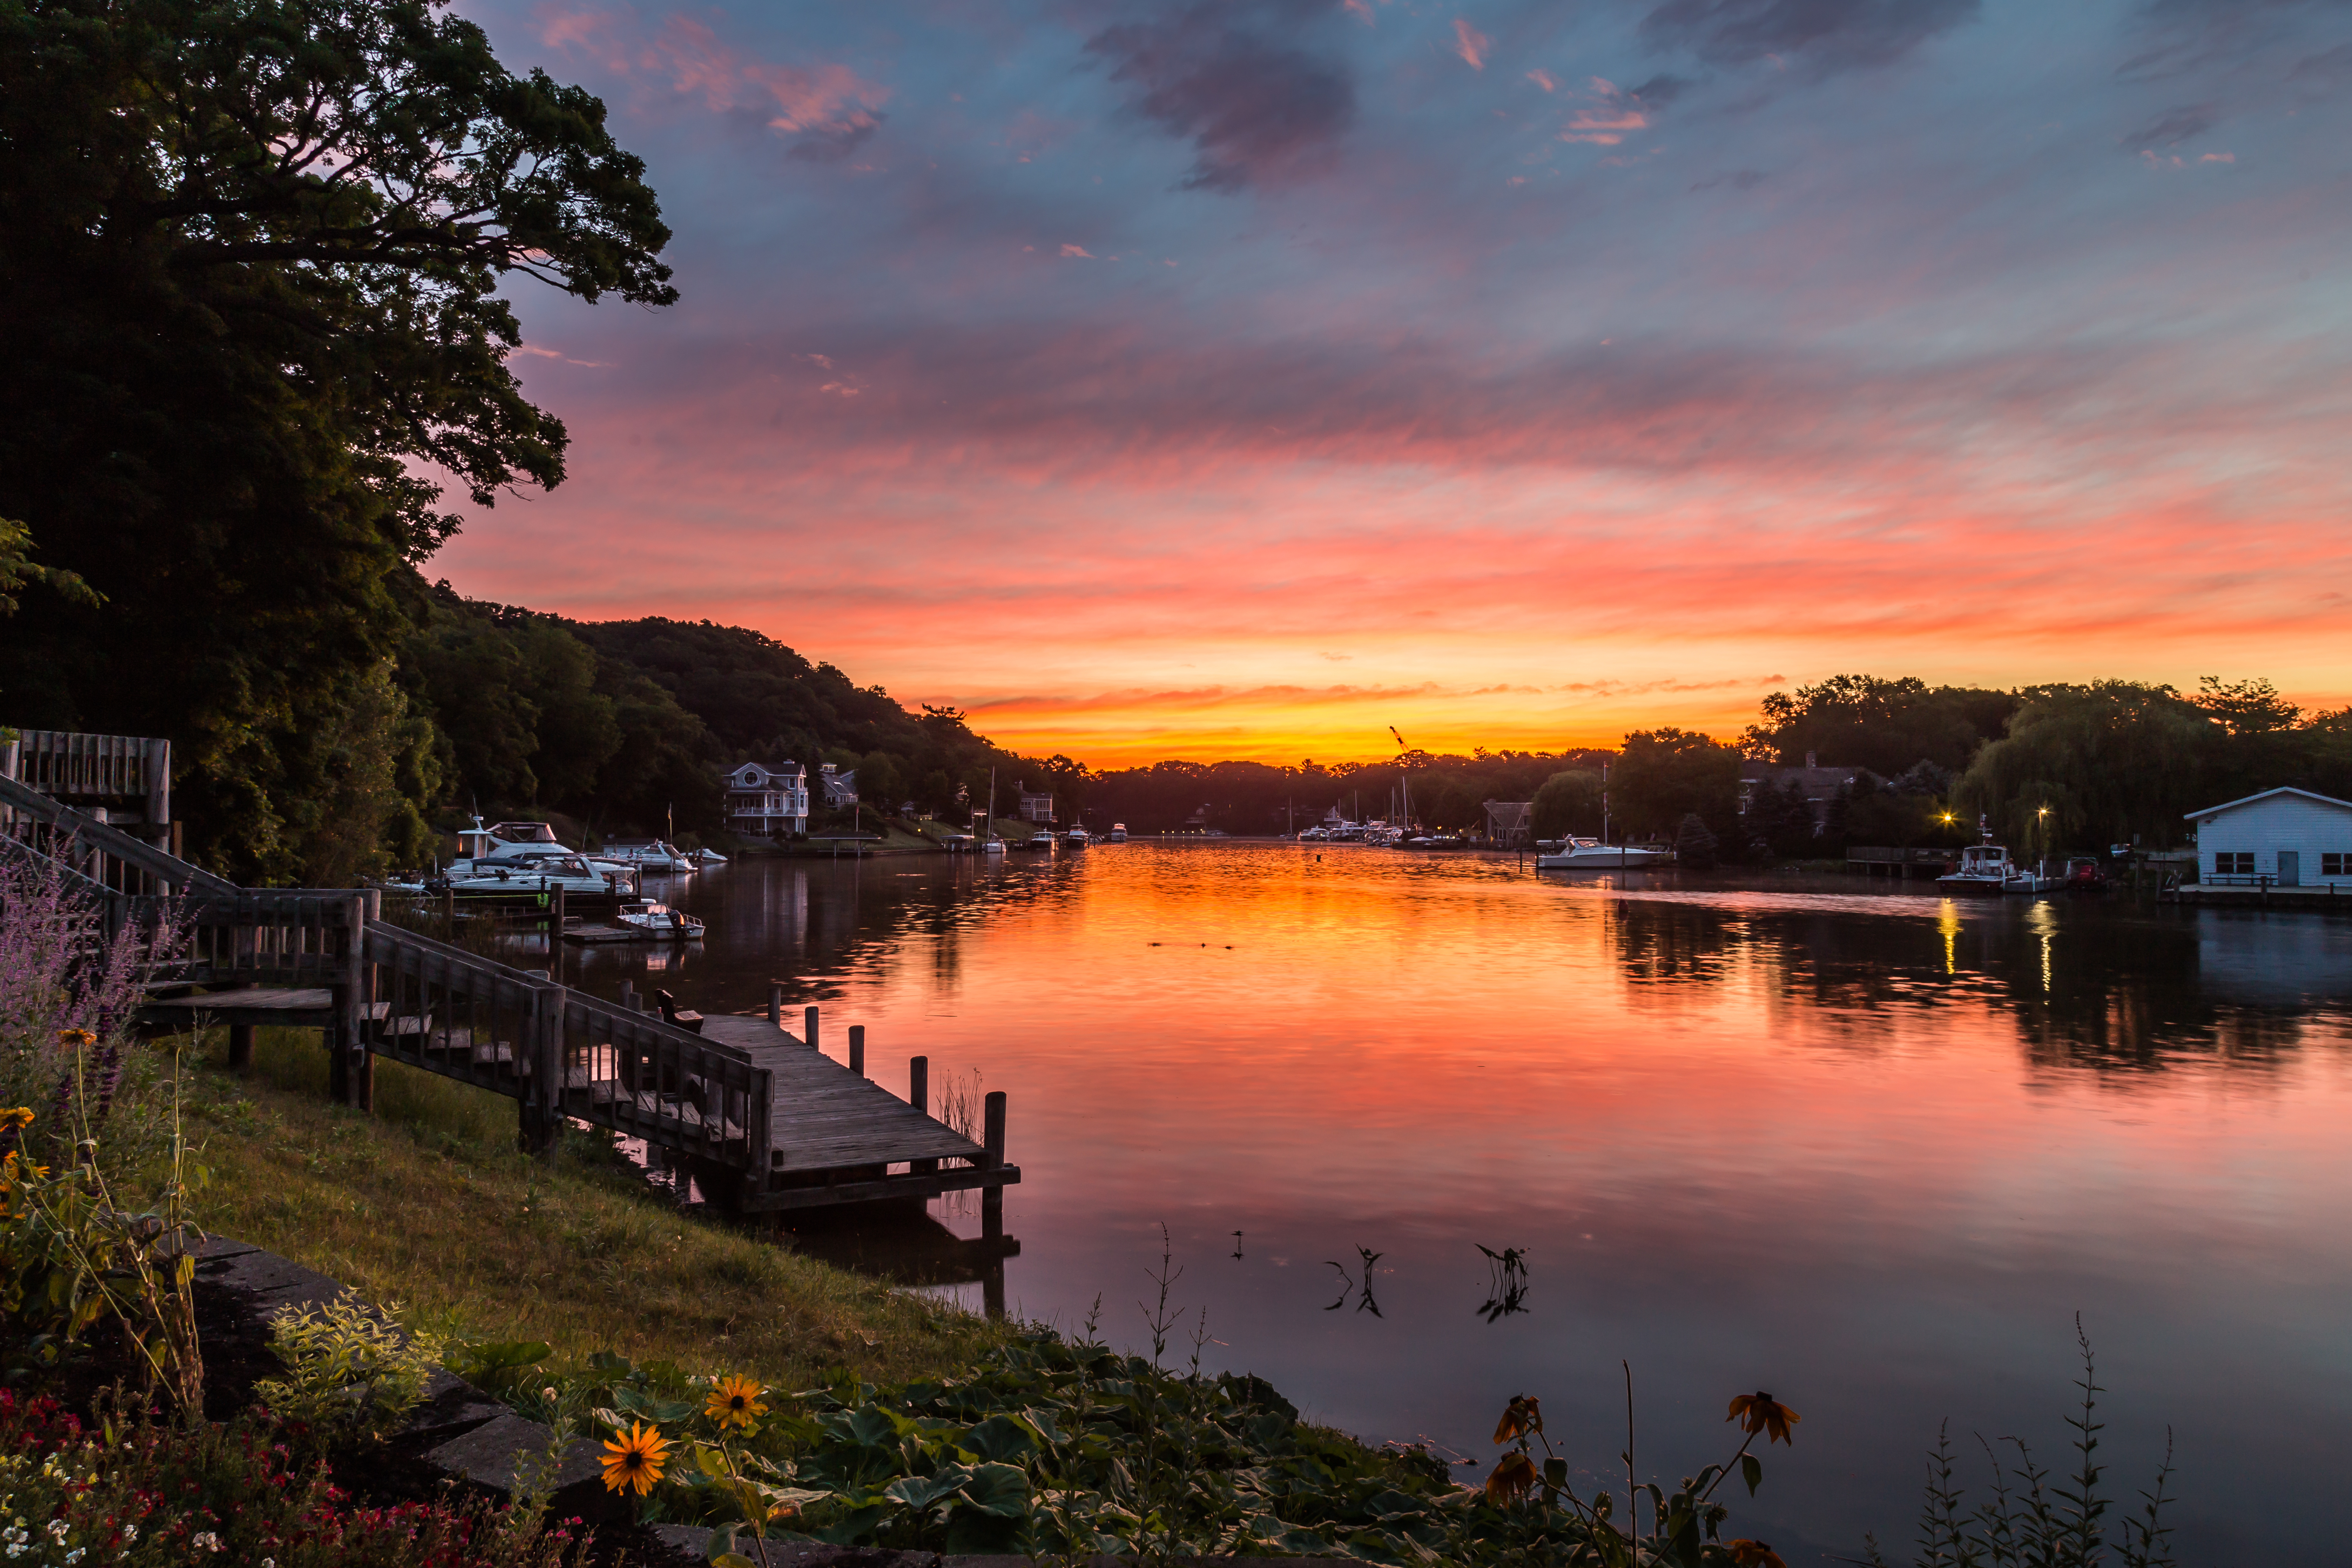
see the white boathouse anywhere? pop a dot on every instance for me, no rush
(2280, 839)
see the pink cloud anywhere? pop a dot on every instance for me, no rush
(1077, 250)
(1544, 79)
(1471, 44)
(828, 100)
(1606, 121)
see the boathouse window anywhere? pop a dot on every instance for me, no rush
(2226, 864)
(2334, 866)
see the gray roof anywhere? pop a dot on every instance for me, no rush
(2250, 799)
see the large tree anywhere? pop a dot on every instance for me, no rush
(252, 255)
(1665, 774)
(1874, 722)
(2094, 765)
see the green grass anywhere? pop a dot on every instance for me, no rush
(425, 1202)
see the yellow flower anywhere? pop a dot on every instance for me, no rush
(1522, 1415)
(77, 1038)
(735, 1401)
(1512, 1478)
(16, 1117)
(1762, 1412)
(634, 1461)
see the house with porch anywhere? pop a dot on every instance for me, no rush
(765, 802)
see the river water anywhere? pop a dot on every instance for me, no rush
(1861, 1146)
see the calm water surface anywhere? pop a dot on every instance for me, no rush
(1868, 1149)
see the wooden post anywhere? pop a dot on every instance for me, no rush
(449, 914)
(240, 1047)
(775, 1003)
(808, 1019)
(542, 1099)
(991, 1142)
(629, 994)
(919, 1095)
(159, 792)
(556, 932)
(857, 1049)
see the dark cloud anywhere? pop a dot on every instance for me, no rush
(2173, 126)
(2319, 74)
(1833, 35)
(1242, 82)
(2178, 37)
(833, 144)
(1739, 180)
(1661, 90)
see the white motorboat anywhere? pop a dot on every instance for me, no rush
(650, 855)
(484, 850)
(1983, 868)
(1591, 855)
(660, 920)
(1041, 839)
(1119, 833)
(992, 845)
(1076, 838)
(571, 873)
(708, 858)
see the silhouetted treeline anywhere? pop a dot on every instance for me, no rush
(1444, 792)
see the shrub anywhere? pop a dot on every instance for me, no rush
(348, 1370)
(146, 1494)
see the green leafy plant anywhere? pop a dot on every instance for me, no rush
(349, 1369)
(2032, 1520)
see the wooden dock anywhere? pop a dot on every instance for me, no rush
(762, 1121)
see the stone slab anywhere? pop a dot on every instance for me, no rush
(492, 1457)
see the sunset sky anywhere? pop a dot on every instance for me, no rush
(1238, 380)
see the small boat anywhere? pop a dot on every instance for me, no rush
(659, 921)
(1591, 855)
(650, 855)
(1119, 833)
(992, 845)
(708, 858)
(2085, 875)
(1984, 868)
(1041, 839)
(1076, 838)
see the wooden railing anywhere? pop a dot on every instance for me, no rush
(451, 1011)
(104, 854)
(72, 766)
(383, 989)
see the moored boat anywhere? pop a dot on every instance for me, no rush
(1591, 855)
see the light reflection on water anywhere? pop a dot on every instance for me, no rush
(1869, 1149)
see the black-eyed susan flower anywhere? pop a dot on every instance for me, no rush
(634, 1460)
(16, 1118)
(1523, 1415)
(1762, 1412)
(1512, 1478)
(77, 1038)
(735, 1401)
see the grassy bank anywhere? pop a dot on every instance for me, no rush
(424, 1200)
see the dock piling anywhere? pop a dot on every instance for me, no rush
(775, 1003)
(857, 1049)
(991, 1139)
(240, 1047)
(808, 1019)
(919, 1095)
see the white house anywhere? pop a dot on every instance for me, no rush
(836, 787)
(2281, 837)
(767, 802)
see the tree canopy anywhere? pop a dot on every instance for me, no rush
(253, 259)
(1882, 724)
